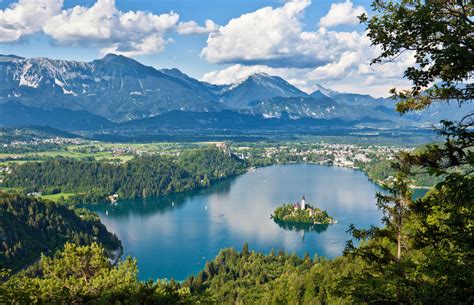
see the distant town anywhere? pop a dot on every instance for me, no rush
(345, 155)
(27, 145)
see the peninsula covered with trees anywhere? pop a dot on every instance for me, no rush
(92, 181)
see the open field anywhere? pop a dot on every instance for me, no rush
(55, 197)
(97, 150)
(10, 189)
(39, 156)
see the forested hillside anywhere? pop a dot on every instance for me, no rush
(382, 172)
(29, 227)
(84, 275)
(142, 176)
(246, 277)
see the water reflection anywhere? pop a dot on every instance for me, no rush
(173, 236)
(295, 226)
(162, 204)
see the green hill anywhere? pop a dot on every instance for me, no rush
(29, 227)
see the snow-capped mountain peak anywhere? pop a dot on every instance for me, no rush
(116, 87)
(256, 87)
(325, 91)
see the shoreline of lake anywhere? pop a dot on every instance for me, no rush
(172, 236)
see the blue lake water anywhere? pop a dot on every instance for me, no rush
(173, 236)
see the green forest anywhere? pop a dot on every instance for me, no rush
(29, 227)
(383, 173)
(92, 181)
(84, 275)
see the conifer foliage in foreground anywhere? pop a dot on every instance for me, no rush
(31, 226)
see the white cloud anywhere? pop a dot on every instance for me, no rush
(390, 69)
(192, 28)
(103, 25)
(26, 17)
(351, 73)
(337, 69)
(275, 37)
(342, 13)
(237, 73)
(272, 40)
(374, 86)
(269, 36)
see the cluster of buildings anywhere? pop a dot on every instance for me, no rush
(344, 155)
(224, 147)
(113, 198)
(4, 170)
(39, 141)
(300, 206)
(125, 150)
(303, 206)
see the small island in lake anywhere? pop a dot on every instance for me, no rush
(302, 213)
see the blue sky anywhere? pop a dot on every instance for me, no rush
(306, 42)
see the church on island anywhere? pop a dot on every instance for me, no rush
(302, 206)
(301, 213)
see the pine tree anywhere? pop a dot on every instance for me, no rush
(425, 248)
(245, 249)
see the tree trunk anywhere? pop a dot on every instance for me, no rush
(399, 246)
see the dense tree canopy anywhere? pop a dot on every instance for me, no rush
(142, 176)
(84, 275)
(29, 227)
(425, 253)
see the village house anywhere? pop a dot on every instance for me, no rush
(113, 198)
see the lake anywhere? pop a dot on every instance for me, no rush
(173, 236)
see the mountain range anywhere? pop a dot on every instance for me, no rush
(120, 91)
